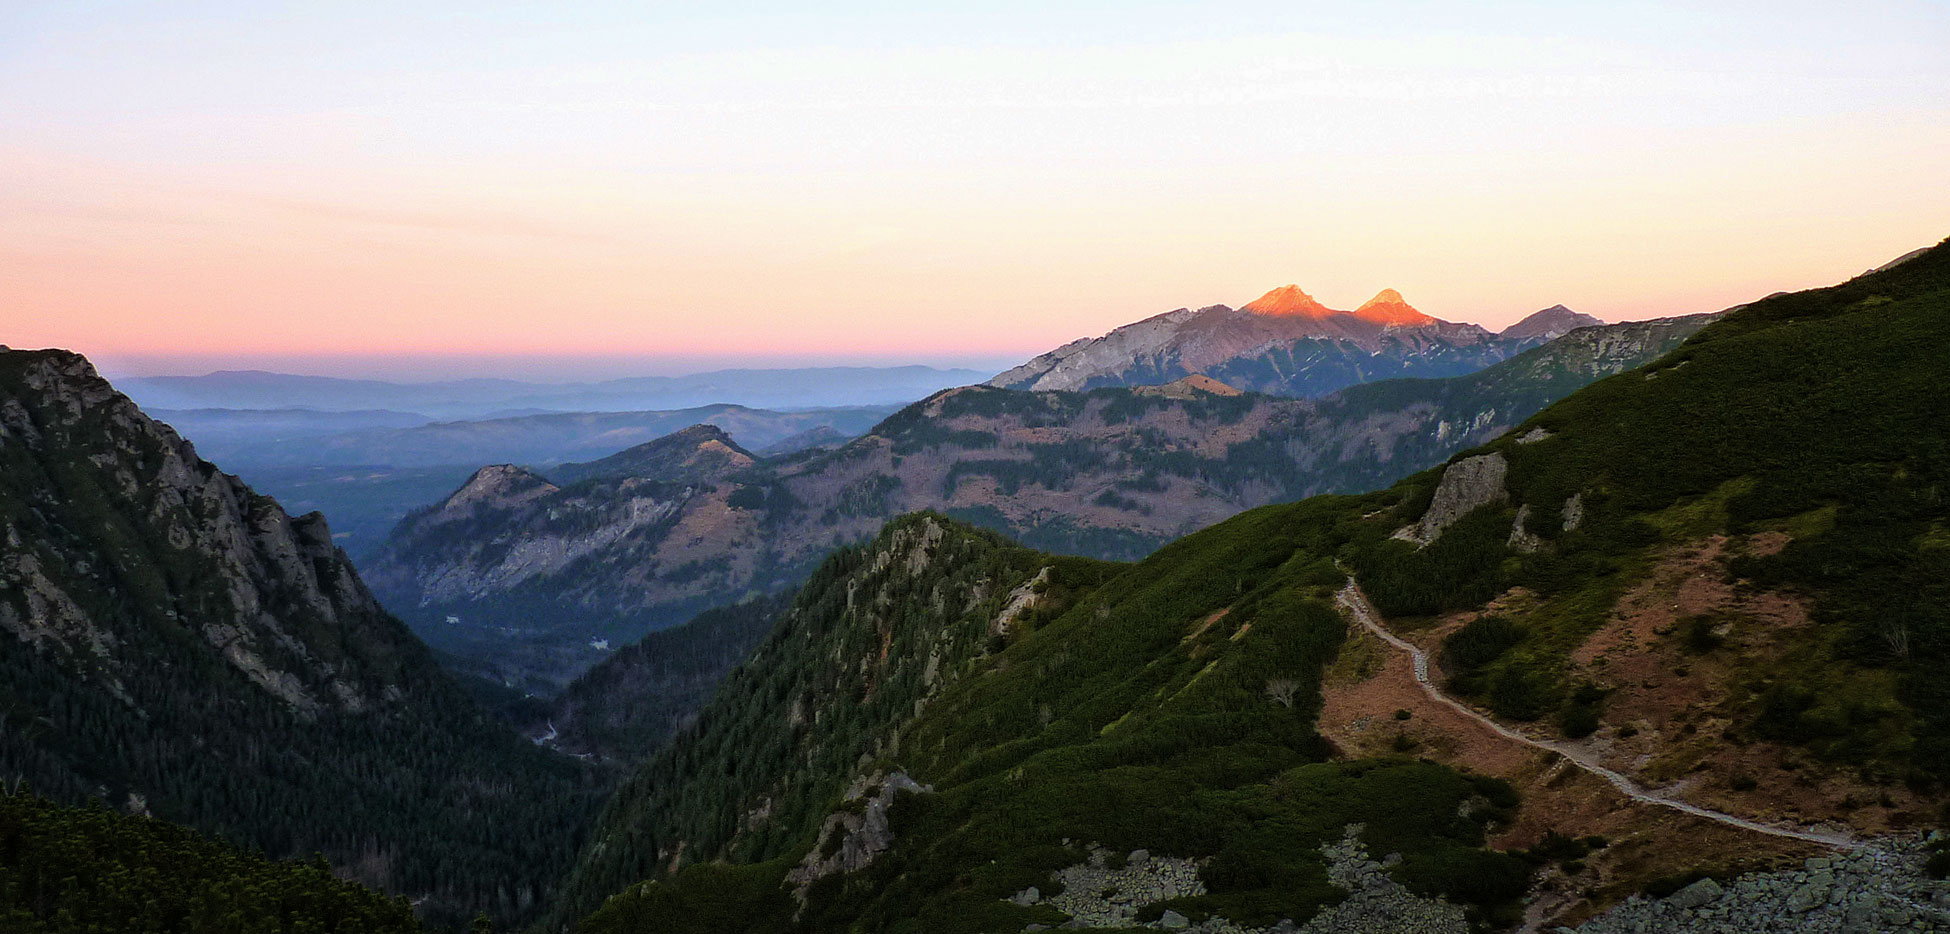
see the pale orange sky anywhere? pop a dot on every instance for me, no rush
(924, 187)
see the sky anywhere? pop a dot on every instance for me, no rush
(439, 189)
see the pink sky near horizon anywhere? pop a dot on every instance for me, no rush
(257, 192)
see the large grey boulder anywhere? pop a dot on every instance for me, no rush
(1466, 485)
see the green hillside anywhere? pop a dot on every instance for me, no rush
(1817, 415)
(1172, 707)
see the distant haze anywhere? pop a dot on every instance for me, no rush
(871, 181)
(534, 368)
(477, 397)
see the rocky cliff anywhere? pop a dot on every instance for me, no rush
(176, 644)
(110, 521)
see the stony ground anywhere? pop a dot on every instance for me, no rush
(1095, 896)
(1877, 889)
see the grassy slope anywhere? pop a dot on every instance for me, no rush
(1124, 721)
(1129, 722)
(1819, 414)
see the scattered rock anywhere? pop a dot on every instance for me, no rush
(1697, 894)
(1096, 896)
(1878, 889)
(1533, 436)
(1103, 897)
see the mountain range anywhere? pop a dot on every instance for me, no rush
(254, 439)
(368, 469)
(1286, 343)
(1662, 654)
(1677, 633)
(528, 570)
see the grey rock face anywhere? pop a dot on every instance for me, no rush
(864, 834)
(1521, 538)
(1466, 485)
(1573, 512)
(274, 595)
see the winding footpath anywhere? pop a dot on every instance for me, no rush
(1356, 604)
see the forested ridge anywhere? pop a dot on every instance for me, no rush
(88, 870)
(182, 647)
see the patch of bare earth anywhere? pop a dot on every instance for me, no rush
(1674, 709)
(1369, 686)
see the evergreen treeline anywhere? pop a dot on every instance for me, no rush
(630, 704)
(876, 630)
(69, 870)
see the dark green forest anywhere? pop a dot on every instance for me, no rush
(169, 601)
(88, 870)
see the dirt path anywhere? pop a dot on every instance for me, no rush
(1356, 604)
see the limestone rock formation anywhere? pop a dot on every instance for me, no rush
(1466, 485)
(102, 514)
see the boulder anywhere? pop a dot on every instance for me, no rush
(1466, 485)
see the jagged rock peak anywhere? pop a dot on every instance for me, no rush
(1287, 301)
(1389, 308)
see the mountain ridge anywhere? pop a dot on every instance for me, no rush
(1110, 473)
(181, 646)
(1722, 573)
(1285, 343)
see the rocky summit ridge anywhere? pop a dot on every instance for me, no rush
(1287, 300)
(1389, 308)
(1286, 343)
